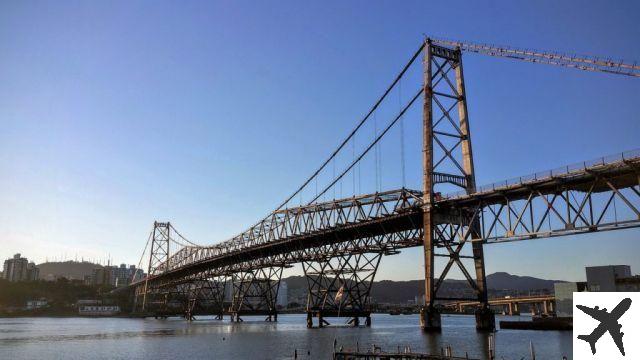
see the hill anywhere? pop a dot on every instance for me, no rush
(503, 280)
(72, 270)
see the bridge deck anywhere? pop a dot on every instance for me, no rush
(393, 220)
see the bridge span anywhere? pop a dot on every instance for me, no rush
(340, 242)
(510, 305)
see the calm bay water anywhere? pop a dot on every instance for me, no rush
(205, 338)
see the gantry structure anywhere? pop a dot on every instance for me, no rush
(340, 242)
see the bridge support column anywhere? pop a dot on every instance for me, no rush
(255, 292)
(430, 319)
(485, 319)
(340, 286)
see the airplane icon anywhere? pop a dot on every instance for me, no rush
(608, 322)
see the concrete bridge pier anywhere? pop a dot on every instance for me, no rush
(430, 319)
(513, 308)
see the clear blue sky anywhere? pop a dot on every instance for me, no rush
(207, 114)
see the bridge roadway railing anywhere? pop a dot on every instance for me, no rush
(595, 196)
(578, 168)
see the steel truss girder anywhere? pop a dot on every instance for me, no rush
(387, 244)
(563, 210)
(255, 292)
(204, 296)
(339, 285)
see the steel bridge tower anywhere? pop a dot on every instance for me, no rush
(451, 139)
(158, 258)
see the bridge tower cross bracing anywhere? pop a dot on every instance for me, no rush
(451, 140)
(159, 255)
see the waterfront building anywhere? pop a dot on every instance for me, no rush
(564, 296)
(98, 310)
(609, 278)
(36, 304)
(628, 284)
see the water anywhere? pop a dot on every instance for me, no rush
(205, 338)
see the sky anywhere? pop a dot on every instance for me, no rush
(208, 114)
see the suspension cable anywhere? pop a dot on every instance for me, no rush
(142, 256)
(346, 140)
(371, 145)
(376, 152)
(183, 238)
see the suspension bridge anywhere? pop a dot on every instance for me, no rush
(340, 239)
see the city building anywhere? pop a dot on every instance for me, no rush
(115, 276)
(604, 278)
(20, 269)
(124, 275)
(283, 294)
(102, 276)
(33, 273)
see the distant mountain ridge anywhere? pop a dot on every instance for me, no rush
(498, 284)
(503, 280)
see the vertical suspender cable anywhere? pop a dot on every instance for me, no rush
(353, 151)
(404, 178)
(352, 134)
(376, 150)
(333, 177)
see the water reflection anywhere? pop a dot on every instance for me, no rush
(207, 338)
